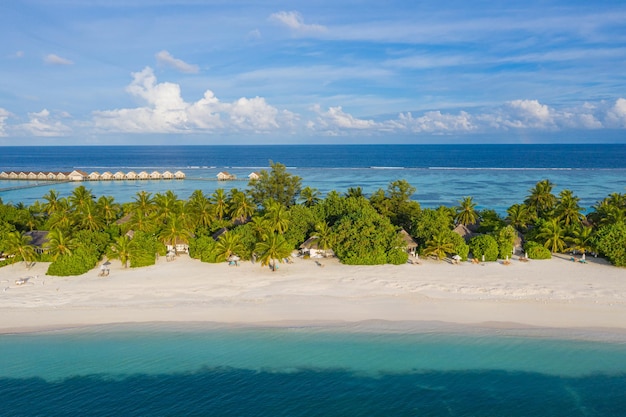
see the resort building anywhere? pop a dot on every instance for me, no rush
(253, 176)
(79, 175)
(179, 175)
(225, 176)
(156, 175)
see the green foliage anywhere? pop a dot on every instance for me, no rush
(484, 245)
(611, 242)
(203, 248)
(537, 251)
(144, 248)
(459, 246)
(506, 240)
(440, 245)
(429, 222)
(397, 256)
(79, 262)
(364, 237)
(490, 221)
(276, 184)
(302, 220)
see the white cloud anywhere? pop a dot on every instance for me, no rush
(44, 124)
(53, 59)
(335, 119)
(4, 115)
(166, 111)
(434, 122)
(166, 59)
(295, 22)
(616, 116)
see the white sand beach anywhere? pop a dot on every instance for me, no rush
(556, 293)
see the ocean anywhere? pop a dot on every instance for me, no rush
(342, 370)
(382, 369)
(497, 176)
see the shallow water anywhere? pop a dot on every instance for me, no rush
(209, 370)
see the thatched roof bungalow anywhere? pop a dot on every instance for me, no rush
(156, 175)
(167, 175)
(119, 175)
(179, 175)
(132, 175)
(94, 176)
(42, 176)
(253, 176)
(464, 232)
(4, 175)
(106, 176)
(310, 247)
(143, 175)
(77, 175)
(411, 244)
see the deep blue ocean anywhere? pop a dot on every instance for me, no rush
(497, 176)
(194, 370)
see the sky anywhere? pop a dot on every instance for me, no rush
(153, 72)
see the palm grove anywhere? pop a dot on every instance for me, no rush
(275, 214)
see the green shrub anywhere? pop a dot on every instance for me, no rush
(78, 263)
(397, 256)
(460, 247)
(611, 242)
(537, 251)
(484, 245)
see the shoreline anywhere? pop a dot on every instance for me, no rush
(552, 296)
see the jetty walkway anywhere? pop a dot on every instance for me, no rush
(39, 184)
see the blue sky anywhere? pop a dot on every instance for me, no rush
(146, 72)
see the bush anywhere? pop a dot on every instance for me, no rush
(397, 256)
(611, 242)
(78, 263)
(484, 245)
(460, 247)
(203, 248)
(145, 247)
(537, 251)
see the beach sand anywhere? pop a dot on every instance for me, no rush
(556, 293)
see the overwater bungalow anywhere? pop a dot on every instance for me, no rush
(131, 175)
(225, 176)
(22, 176)
(253, 176)
(156, 175)
(143, 175)
(31, 176)
(119, 175)
(4, 175)
(106, 176)
(42, 176)
(179, 175)
(77, 175)
(94, 176)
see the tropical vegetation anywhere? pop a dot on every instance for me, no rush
(274, 215)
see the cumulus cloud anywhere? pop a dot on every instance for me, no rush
(4, 115)
(295, 22)
(52, 59)
(616, 116)
(165, 111)
(166, 59)
(43, 123)
(512, 115)
(335, 120)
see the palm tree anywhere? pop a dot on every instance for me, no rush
(228, 244)
(240, 207)
(310, 196)
(200, 209)
(260, 227)
(52, 202)
(59, 244)
(355, 192)
(567, 209)
(89, 218)
(582, 239)
(108, 209)
(277, 216)
(324, 236)
(61, 218)
(553, 235)
(466, 212)
(541, 201)
(174, 232)
(18, 244)
(272, 248)
(165, 205)
(80, 198)
(518, 216)
(220, 203)
(121, 249)
(439, 245)
(144, 203)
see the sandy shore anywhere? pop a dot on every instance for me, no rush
(556, 293)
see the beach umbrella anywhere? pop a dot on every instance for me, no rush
(456, 257)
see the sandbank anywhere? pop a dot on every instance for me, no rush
(556, 293)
